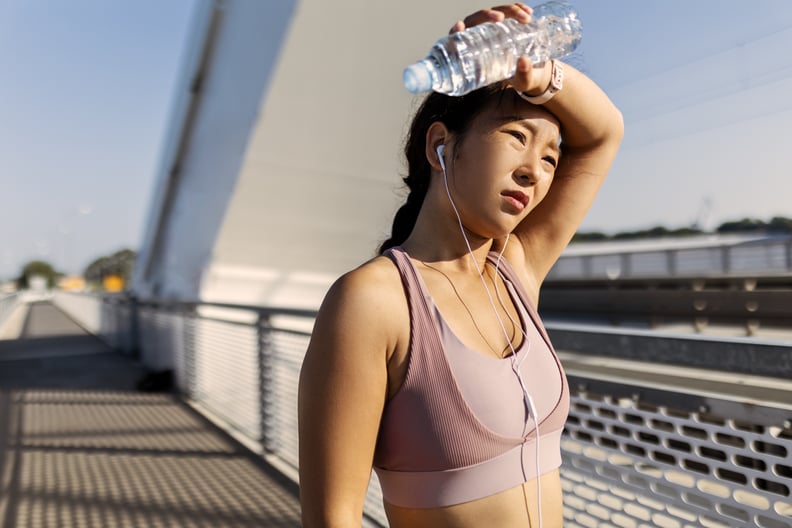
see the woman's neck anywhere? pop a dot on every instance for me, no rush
(437, 238)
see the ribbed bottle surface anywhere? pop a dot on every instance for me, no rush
(487, 53)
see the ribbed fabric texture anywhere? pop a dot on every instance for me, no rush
(427, 425)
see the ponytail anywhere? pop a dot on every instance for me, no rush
(406, 216)
(456, 113)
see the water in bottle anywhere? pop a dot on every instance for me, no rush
(487, 53)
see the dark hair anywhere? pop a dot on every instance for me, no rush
(456, 113)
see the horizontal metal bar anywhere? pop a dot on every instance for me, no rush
(261, 310)
(743, 397)
(772, 305)
(720, 281)
(743, 356)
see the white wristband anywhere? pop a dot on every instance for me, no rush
(556, 83)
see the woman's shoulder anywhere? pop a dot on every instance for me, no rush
(367, 307)
(376, 283)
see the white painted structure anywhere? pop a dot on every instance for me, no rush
(282, 165)
(283, 161)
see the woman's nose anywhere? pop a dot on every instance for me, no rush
(532, 171)
(527, 175)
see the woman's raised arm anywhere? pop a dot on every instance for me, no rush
(591, 130)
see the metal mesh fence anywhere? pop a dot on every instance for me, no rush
(226, 372)
(633, 464)
(627, 463)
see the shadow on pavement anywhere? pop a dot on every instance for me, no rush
(79, 446)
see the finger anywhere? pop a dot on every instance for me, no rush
(518, 11)
(525, 7)
(459, 26)
(523, 76)
(482, 16)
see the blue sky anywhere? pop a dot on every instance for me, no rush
(704, 88)
(87, 86)
(85, 93)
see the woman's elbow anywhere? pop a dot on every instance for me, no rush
(326, 518)
(617, 125)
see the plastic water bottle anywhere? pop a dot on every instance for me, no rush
(487, 53)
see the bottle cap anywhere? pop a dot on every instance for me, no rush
(417, 78)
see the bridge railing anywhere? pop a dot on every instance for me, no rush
(633, 457)
(648, 461)
(769, 255)
(8, 303)
(111, 317)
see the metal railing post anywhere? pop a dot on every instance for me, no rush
(726, 263)
(266, 378)
(671, 262)
(789, 254)
(134, 325)
(189, 353)
(626, 265)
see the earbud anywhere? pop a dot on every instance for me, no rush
(440, 149)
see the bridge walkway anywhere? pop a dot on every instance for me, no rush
(81, 447)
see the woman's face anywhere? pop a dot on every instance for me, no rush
(503, 166)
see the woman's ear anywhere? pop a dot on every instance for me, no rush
(437, 134)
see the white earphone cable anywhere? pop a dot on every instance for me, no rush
(526, 394)
(515, 364)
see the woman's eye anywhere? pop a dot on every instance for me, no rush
(551, 160)
(518, 135)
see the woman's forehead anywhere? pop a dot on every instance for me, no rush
(507, 111)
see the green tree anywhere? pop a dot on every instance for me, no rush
(34, 268)
(593, 236)
(779, 224)
(746, 225)
(121, 263)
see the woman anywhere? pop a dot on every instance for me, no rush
(429, 363)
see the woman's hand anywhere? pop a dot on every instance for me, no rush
(527, 79)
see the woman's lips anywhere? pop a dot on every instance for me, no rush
(516, 199)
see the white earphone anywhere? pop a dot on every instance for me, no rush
(440, 149)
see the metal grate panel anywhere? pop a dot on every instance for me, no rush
(638, 465)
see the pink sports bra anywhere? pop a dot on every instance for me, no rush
(458, 429)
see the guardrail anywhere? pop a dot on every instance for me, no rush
(739, 355)
(772, 254)
(633, 457)
(8, 302)
(750, 301)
